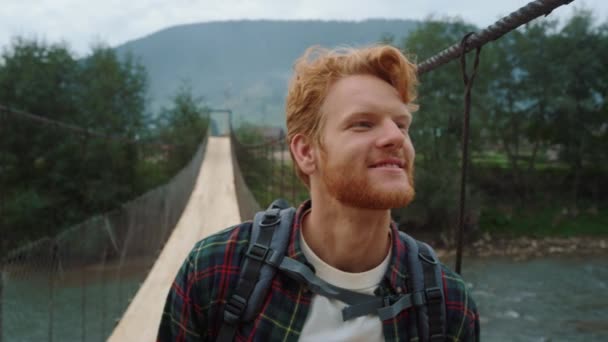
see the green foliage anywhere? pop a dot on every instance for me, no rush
(34, 77)
(38, 77)
(538, 119)
(255, 161)
(182, 126)
(111, 97)
(267, 167)
(544, 221)
(52, 177)
(436, 131)
(538, 124)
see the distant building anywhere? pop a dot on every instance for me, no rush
(269, 133)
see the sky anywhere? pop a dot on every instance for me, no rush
(82, 23)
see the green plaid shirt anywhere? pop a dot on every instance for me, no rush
(195, 304)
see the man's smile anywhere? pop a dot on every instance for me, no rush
(389, 163)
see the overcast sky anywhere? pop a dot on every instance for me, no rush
(81, 23)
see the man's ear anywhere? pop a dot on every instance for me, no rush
(304, 153)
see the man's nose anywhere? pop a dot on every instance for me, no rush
(391, 135)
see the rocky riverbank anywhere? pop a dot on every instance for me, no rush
(523, 248)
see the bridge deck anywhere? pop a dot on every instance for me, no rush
(212, 207)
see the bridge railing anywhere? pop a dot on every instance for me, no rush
(74, 285)
(264, 161)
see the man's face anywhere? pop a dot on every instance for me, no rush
(367, 158)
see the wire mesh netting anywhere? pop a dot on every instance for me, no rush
(74, 283)
(267, 168)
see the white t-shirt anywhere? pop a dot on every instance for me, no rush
(324, 321)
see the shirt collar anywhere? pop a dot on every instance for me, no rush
(396, 274)
(294, 249)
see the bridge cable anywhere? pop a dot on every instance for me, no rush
(475, 41)
(468, 85)
(512, 21)
(77, 129)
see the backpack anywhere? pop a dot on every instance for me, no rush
(266, 254)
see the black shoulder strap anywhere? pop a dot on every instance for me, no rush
(267, 245)
(426, 286)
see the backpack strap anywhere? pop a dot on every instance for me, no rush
(426, 292)
(269, 238)
(265, 254)
(359, 304)
(415, 282)
(434, 291)
(425, 281)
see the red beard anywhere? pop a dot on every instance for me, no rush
(357, 191)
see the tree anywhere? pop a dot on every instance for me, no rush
(183, 126)
(518, 85)
(436, 130)
(52, 177)
(111, 97)
(39, 78)
(580, 121)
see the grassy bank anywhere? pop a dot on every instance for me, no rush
(545, 220)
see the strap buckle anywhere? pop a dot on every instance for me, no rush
(271, 217)
(433, 295)
(419, 298)
(257, 252)
(428, 258)
(234, 309)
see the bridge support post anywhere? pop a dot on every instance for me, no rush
(53, 269)
(1, 295)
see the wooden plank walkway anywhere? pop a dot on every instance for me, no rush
(212, 207)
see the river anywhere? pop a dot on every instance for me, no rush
(545, 299)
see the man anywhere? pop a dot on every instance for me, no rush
(348, 119)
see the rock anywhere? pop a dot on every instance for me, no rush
(591, 326)
(524, 248)
(485, 237)
(555, 249)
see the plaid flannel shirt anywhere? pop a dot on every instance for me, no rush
(195, 303)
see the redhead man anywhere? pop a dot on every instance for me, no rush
(348, 119)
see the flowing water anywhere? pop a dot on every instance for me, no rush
(72, 306)
(545, 299)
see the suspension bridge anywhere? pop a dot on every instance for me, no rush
(123, 262)
(123, 275)
(213, 205)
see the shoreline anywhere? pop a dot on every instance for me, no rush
(524, 248)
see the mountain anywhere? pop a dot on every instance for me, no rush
(244, 65)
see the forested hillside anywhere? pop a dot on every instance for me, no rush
(244, 65)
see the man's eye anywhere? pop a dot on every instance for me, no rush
(365, 124)
(404, 126)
